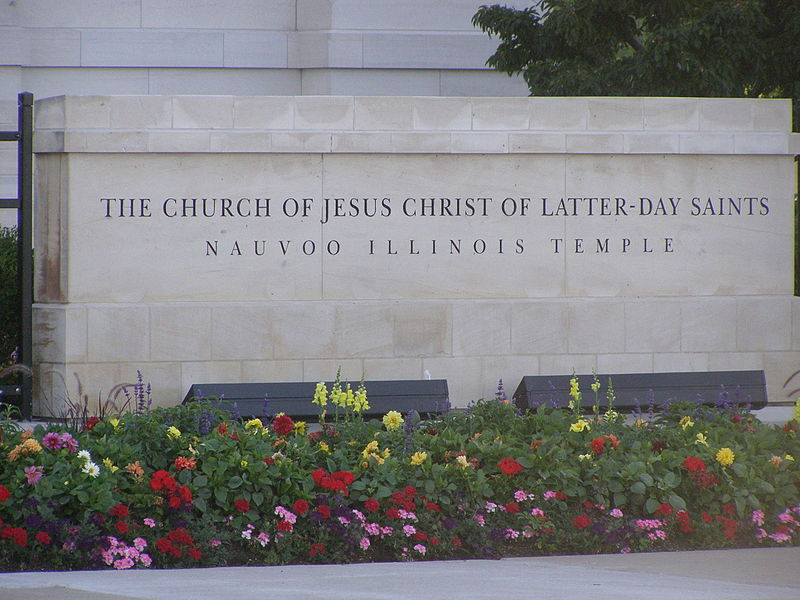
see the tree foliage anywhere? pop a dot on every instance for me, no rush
(727, 48)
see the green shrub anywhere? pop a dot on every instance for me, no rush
(9, 296)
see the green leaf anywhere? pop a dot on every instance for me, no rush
(615, 486)
(766, 486)
(620, 500)
(646, 478)
(258, 498)
(651, 505)
(638, 488)
(429, 487)
(677, 502)
(739, 469)
(201, 481)
(234, 482)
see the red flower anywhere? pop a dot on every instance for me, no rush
(18, 534)
(393, 513)
(324, 511)
(665, 509)
(729, 509)
(121, 527)
(269, 460)
(587, 504)
(43, 538)
(561, 496)
(316, 549)
(195, 553)
(434, 541)
(694, 464)
(180, 536)
(372, 505)
(284, 525)
(457, 542)
(346, 477)
(300, 507)
(222, 428)
(90, 423)
(581, 522)
(658, 446)
(410, 491)
(597, 445)
(162, 480)
(433, 506)
(684, 522)
(283, 425)
(509, 466)
(182, 462)
(119, 510)
(535, 445)
(706, 517)
(241, 505)
(512, 507)
(4, 493)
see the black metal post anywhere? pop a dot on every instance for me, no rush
(25, 249)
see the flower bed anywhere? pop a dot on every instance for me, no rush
(186, 486)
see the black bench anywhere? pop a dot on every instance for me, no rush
(426, 396)
(635, 391)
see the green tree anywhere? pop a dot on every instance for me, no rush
(727, 48)
(9, 299)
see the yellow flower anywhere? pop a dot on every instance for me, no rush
(701, 439)
(595, 386)
(583, 457)
(360, 403)
(173, 432)
(611, 416)
(797, 410)
(115, 424)
(244, 464)
(640, 423)
(324, 447)
(725, 456)
(574, 389)
(392, 420)
(686, 422)
(371, 448)
(580, 425)
(110, 465)
(300, 427)
(321, 394)
(418, 458)
(462, 462)
(789, 457)
(254, 425)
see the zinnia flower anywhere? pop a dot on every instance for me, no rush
(392, 420)
(241, 505)
(283, 424)
(580, 425)
(725, 456)
(581, 522)
(33, 474)
(509, 466)
(173, 432)
(418, 458)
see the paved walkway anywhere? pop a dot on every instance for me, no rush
(767, 573)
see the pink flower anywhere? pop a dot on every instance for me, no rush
(537, 512)
(51, 441)
(149, 522)
(780, 537)
(364, 543)
(34, 474)
(214, 543)
(549, 495)
(420, 548)
(263, 539)
(616, 513)
(757, 517)
(140, 543)
(145, 560)
(372, 529)
(409, 530)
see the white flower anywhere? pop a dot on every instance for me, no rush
(85, 456)
(91, 469)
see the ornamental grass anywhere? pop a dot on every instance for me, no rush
(188, 486)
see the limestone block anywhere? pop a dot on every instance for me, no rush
(202, 112)
(383, 369)
(325, 49)
(795, 323)
(105, 141)
(423, 329)
(209, 372)
(744, 143)
(14, 48)
(314, 112)
(652, 325)
(81, 13)
(442, 113)
(708, 324)
(361, 142)
(500, 113)
(537, 142)
(595, 143)
(567, 364)
(671, 114)
(87, 112)
(622, 363)
(763, 323)
(50, 231)
(352, 370)
(304, 330)
(301, 142)
(181, 332)
(50, 113)
(615, 114)
(552, 113)
(370, 82)
(467, 143)
(363, 329)
(59, 333)
(118, 333)
(773, 114)
(241, 332)
(151, 48)
(479, 82)
(648, 143)
(88, 384)
(735, 361)
(678, 362)
(594, 327)
(260, 371)
(53, 47)
(45, 142)
(233, 14)
(141, 112)
(263, 112)
(539, 327)
(255, 49)
(241, 82)
(726, 114)
(783, 379)
(240, 141)
(421, 142)
(55, 81)
(511, 369)
(481, 328)
(377, 113)
(177, 141)
(463, 374)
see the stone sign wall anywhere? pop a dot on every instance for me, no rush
(212, 239)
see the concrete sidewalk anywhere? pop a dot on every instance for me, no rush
(767, 573)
